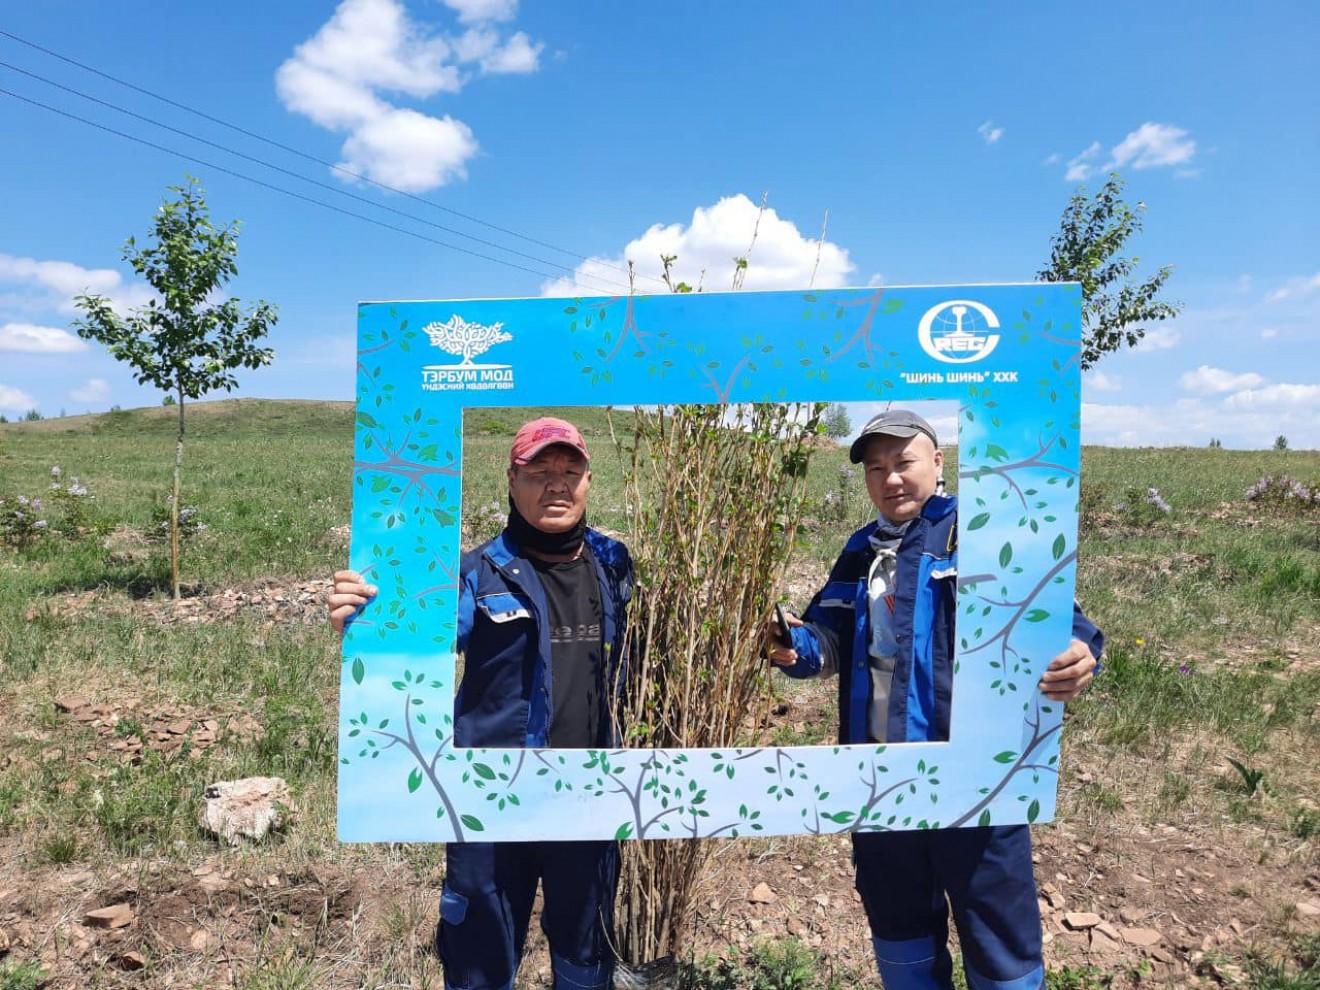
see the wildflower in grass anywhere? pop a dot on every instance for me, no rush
(1184, 668)
(22, 521)
(55, 472)
(190, 523)
(1143, 508)
(1284, 493)
(1139, 641)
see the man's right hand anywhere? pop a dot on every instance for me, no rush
(777, 652)
(349, 593)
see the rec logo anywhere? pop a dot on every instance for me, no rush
(466, 340)
(959, 331)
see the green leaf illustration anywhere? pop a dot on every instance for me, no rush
(483, 771)
(984, 820)
(1033, 811)
(1037, 615)
(472, 822)
(359, 670)
(1005, 554)
(624, 831)
(414, 780)
(1059, 544)
(1007, 756)
(978, 521)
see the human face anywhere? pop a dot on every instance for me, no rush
(551, 489)
(901, 474)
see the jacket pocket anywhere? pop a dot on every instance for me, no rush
(839, 594)
(453, 906)
(505, 607)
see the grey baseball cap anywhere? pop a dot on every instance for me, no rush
(893, 423)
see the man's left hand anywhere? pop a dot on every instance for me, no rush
(1068, 673)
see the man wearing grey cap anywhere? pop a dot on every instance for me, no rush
(900, 573)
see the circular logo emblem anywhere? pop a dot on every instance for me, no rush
(959, 331)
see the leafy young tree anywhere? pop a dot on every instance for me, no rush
(1281, 442)
(187, 342)
(1089, 249)
(835, 421)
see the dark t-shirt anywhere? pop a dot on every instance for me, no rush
(573, 595)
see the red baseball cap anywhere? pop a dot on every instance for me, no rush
(535, 436)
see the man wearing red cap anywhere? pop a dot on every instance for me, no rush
(541, 627)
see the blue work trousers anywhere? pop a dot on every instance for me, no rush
(486, 907)
(909, 882)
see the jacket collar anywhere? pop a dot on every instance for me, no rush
(939, 506)
(503, 551)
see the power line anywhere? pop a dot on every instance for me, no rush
(295, 175)
(273, 188)
(576, 255)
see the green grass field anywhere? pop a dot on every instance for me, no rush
(1212, 611)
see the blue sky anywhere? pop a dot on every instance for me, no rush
(943, 142)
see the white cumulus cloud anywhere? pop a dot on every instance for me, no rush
(1271, 397)
(1206, 380)
(1150, 146)
(782, 257)
(95, 390)
(1081, 167)
(476, 11)
(989, 132)
(517, 54)
(409, 150)
(28, 338)
(1299, 286)
(1159, 339)
(372, 47)
(32, 285)
(1249, 418)
(15, 399)
(1124, 425)
(1098, 381)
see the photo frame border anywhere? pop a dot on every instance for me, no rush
(1016, 377)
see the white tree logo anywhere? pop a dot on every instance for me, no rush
(460, 337)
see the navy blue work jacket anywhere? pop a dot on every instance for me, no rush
(925, 606)
(504, 635)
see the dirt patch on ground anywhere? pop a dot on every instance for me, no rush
(1173, 899)
(124, 731)
(1174, 905)
(277, 601)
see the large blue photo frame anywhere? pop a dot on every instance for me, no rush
(1009, 355)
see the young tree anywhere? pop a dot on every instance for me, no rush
(836, 422)
(1088, 249)
(186, 342)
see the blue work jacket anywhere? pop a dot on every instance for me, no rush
(504, 635)
(925, 606)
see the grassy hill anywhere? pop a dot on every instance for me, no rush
(1212, 611)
